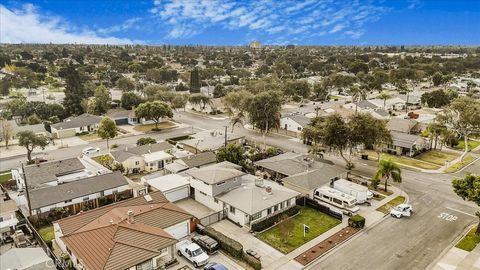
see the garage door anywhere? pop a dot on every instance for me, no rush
(178, 231)
(67, 133)
(121, 121)
(176, 195)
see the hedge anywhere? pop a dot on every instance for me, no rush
(269, 222)
(356, 221)
(252, 261)
(230, 246)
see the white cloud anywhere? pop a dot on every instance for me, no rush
(29, 26)
(274, 20)
(128, 24)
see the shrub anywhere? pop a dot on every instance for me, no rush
(356, 221)
(269, 222)
(114, 146)
(252, 261)
(229, 245)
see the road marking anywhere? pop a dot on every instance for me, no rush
(447, 217)
(460, 211)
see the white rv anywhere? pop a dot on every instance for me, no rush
(361, 193)
(336, 198)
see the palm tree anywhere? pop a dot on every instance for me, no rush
(384, 95)
(358, 94)
(388, 169)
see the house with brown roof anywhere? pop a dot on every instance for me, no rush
(139, 233)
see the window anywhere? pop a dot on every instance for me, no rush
(215, 200)
(337, 201)
(256, 216)
(102, 193)
(152, 164)
(148, 265)
(137, 162)
(67, 201)
(232, 209)
(275, 208)
(288, 203)
(203, 193)
(86, 199)
(299, 128)
(326, 197)
(114, 191)
(281, 205)
(220, 183)
(269, 211)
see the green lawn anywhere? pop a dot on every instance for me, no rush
(316, 220)
(459, 165)
(5, 176)
(401, 160)
(149, 127)
(389, 205)
(471, 145)
(437, 157)
(89, 137)
(47, 233)
(469, 241)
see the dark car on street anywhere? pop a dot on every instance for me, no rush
(215, 266)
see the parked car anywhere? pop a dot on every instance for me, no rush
(401, 210)
(90, 150)
(192, 252)
(215, 266)
(206, 243)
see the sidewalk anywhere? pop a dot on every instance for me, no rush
(372, 217)
(459, 259)
(16, 150)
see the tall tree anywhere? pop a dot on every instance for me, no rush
(468, 188)
(107, 129)
(125, 84)
(388, 169)
(130, 100)
(264, 112)
(6, 130)
(74, 92)
(384, 95)
(195, 81)
(30, 141)
(102, 100)
(235, 103)
(234, 153)
(358, 94)
(153, 110)
(463, 117)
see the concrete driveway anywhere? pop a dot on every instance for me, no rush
(268, 253)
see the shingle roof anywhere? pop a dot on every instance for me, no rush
(103, 238)
(118, 113)
(38, 174)
(289, 163)
(252, 199)
(214, 174)
(401, 125)
(79, 121)
(364, 104)
(50, 195)
(313, 179)
(125, 152)
(300, 119)
(200, 159)
(403, 139)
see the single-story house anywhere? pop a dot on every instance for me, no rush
(406, 144)
(306, 182)
(245, 198)
(149, 157)
(139, 233)
(38, 129)
(26, 259)
(71, 126)
(210, 140)
(175, 187)
(294, 122)
(120, 116)
(191, 161)
(409, 126)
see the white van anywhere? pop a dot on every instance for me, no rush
(336, 198)
(361, 193)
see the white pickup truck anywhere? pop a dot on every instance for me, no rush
(192, 252)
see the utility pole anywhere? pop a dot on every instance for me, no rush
(26, 191)
(226, 130)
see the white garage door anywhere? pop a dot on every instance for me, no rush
(178, 231)
(178, 194)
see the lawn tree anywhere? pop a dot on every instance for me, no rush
(297, 88)
(6, 131)
(102, 100)
(435, 130)
(107, 129)
(264, 112)
(468, 188)
(153, 110)
(384, 95)
(179, 101)
(200, 100)
(30, 141)
(130, 100)
(74, 92)
(145, 141)
(320, 91)
(234, 153)
(125, 84)
(387, 169)
(368, 131)
(335, 136)
(358, 94)
(463, 117)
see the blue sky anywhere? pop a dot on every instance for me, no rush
(229, 22)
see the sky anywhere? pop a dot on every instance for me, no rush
(229, 22)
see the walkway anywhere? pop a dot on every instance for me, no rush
(459, 259)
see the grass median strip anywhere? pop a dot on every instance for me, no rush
(316, 220)
(392, 203)
(459, 165)
(469, 241)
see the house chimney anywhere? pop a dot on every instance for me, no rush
(268, 189)
(131, 219)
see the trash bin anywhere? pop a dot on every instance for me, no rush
(365, 157)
